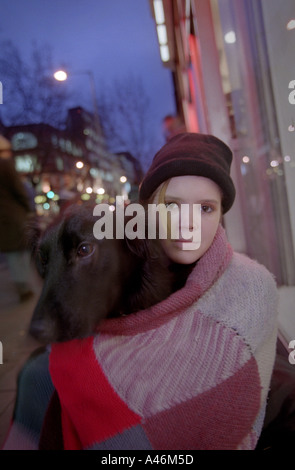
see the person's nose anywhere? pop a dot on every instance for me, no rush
(189, 218)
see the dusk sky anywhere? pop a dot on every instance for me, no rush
(112, 38)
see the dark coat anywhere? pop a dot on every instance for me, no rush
(14, 208)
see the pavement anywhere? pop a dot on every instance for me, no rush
(16, 344)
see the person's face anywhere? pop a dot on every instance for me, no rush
(192, 190)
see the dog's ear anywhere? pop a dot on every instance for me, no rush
(142, 248)
(135, 236)
(141, 245)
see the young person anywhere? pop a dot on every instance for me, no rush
(191, 372)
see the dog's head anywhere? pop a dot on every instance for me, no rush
(86, 280)
(78, 271)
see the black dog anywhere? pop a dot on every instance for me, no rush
(87, 280)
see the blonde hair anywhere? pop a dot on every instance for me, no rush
(158, 197)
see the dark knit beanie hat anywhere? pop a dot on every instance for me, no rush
(191, 154)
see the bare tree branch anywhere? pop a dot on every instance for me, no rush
(125, 114)
(31, 93)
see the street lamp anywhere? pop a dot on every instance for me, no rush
(61, 76)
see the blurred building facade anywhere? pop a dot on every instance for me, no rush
(232, 64)
(73, 164)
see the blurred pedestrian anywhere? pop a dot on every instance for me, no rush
(14, 213)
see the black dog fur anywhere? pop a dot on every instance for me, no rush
(86, 280)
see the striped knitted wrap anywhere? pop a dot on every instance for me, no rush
(183, 374)
(192, 372)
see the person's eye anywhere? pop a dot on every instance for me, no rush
(171, 205)
(85, 249)
(206, 208)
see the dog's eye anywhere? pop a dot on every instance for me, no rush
(85, 249)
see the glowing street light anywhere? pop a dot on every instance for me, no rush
(60, 75)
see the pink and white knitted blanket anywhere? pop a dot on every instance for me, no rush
(192, 372)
